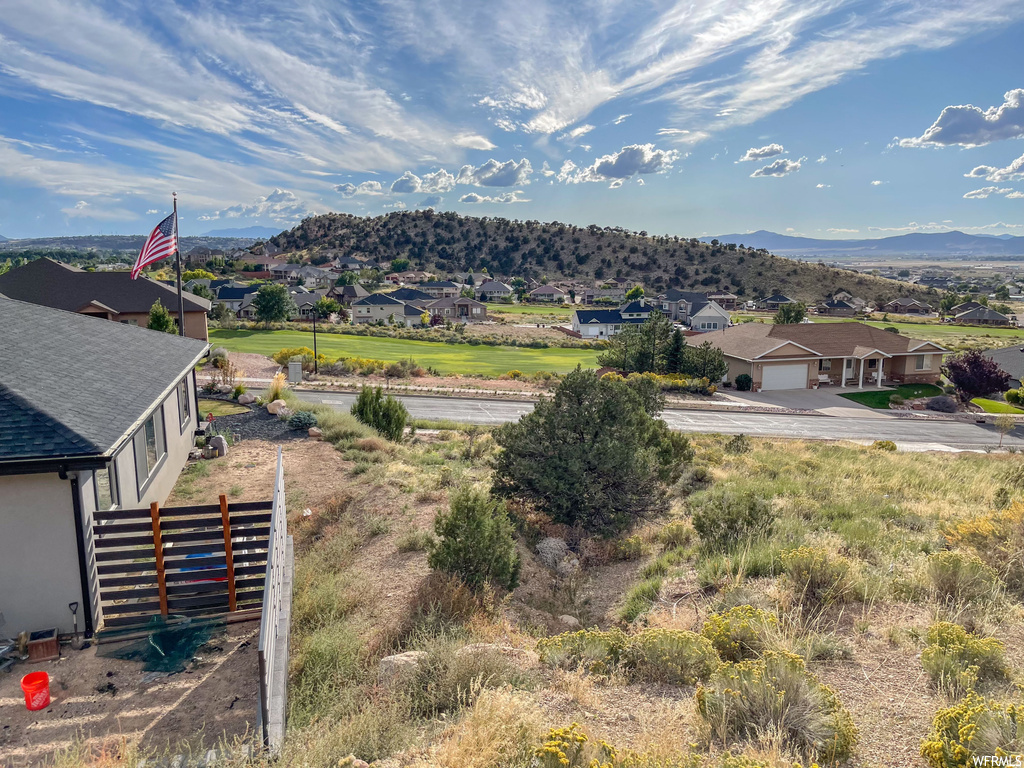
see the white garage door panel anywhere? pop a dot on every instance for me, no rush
(784, 376)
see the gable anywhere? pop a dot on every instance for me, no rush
(789, 349)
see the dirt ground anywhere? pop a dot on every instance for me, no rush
(97, 698)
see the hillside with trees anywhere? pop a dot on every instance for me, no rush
(448, 242)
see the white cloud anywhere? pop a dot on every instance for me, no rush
(496, 174)
(281, 206)
(877, 183)
(397, 205)
(1012, 172)
(947, 226)
(1015, 196)
(634, 160)
(505, 197)
(981, 194)
(472, 141)
(545, 169)
(615, 184)
(364, 188)
(406, 183)
(822, 159)
(970, 126)
(575, 133)
(761, 153)
(841, 231)
(438, 181)
(781, 167)
(823, 186)
(621, 119)
(152, 211)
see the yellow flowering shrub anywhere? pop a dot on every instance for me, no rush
(739, 633)
(776, 694)
(959, 662)
(669, 656)
(997, 536)
(959, 577)
(974, 728)
(596, 651)
(818, 577)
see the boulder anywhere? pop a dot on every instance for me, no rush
(401, 665)
(219, 443)
(315, 432)
(569, 622)
(353, 762)
(246, 399)
(276, 407)
(551, 550)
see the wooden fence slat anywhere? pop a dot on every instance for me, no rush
(229, 561)
(142, 513)
(158, 549)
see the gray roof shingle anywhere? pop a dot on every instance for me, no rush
(73, 385)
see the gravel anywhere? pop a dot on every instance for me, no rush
(257, 424)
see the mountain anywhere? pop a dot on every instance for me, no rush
(255, 233)
(117, 244)
(937, 244)
(445, 242)
(3, 239)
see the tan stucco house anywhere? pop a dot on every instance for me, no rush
(807, 355)
(93, 416)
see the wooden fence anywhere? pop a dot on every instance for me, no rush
(185, 561)
(275, 621)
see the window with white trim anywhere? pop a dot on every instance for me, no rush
(873, 363)
(922, 362)
(184, 404)
(150, 448)
(709, 325)
(104, 483)
(825, 365)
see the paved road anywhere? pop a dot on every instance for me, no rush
(911, 433)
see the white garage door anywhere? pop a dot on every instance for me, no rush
(784, 376)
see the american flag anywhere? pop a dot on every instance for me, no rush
(162, 242)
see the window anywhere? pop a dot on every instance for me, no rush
(825, 365)
(104, 482)
(922, 363)
(150, 448)
(873, 363)
(849, 363)
(130, 322)
(184, 404)
(707, 325)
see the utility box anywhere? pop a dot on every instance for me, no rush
(294, 371)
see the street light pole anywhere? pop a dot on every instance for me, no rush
(316, 367)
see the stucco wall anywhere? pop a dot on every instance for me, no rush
(38, 555)
(195, 322)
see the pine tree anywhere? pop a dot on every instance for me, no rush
(675, 353)
(160, 319)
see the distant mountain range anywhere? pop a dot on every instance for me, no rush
(129, 244)
(257, 233)
(937, 244)
(3, 239)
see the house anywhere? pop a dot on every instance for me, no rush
(409, 277)
(966, 306)
(493, 290)
(724, 299)
(304, 304)
(459, 309)
(547, 293)
(104, 419)
(441, 289)
(410, 294)
(837, 308)
(773, 302)
(708, 316)
(472, 278)
(312, 277)
(982, 316)
(348, 264)
(346, 294)
(108, 295)
(282, 271)
(201, 255)
(905, 306)
(693, 309)
(594, 295)
(232, 297)
(1011, 360)
(804, 355)
(603, 323)
(380, 307)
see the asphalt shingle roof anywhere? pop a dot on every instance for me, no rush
(376, 300)
(584, 316)
(72, 385)
(50, 284)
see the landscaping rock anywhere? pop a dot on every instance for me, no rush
(276, 407)
(400, 665)
(551, 551)
(218, 442)
(315, 432)
(569, 622)
(246, 399)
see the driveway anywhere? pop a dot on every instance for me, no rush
(826, 400)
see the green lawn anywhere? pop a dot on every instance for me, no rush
(447, 358)
(881, 399)
(219, 408)
(995, 406)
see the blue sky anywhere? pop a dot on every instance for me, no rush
(827, 118)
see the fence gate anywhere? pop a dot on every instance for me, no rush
(184, 561)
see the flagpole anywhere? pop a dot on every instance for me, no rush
(177, 266)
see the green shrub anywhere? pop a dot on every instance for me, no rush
(777, 695)
(726, 518)
(302, 420)
(972, 729)
(958, 662)
(451, 676)
(238, 391)
(415, 541)
(738, 444)
(591, 649)
(1013, 396)
(385, 414)
(669, 656)
(896, 399)
(819, 578)
(475, 541)
(884, 445)
(639, 599)
(941, 404)
(630, 548)
(676, 534)
(744, 382)
(961, 578)
(739, 633)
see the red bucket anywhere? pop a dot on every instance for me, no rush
(36, 687)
